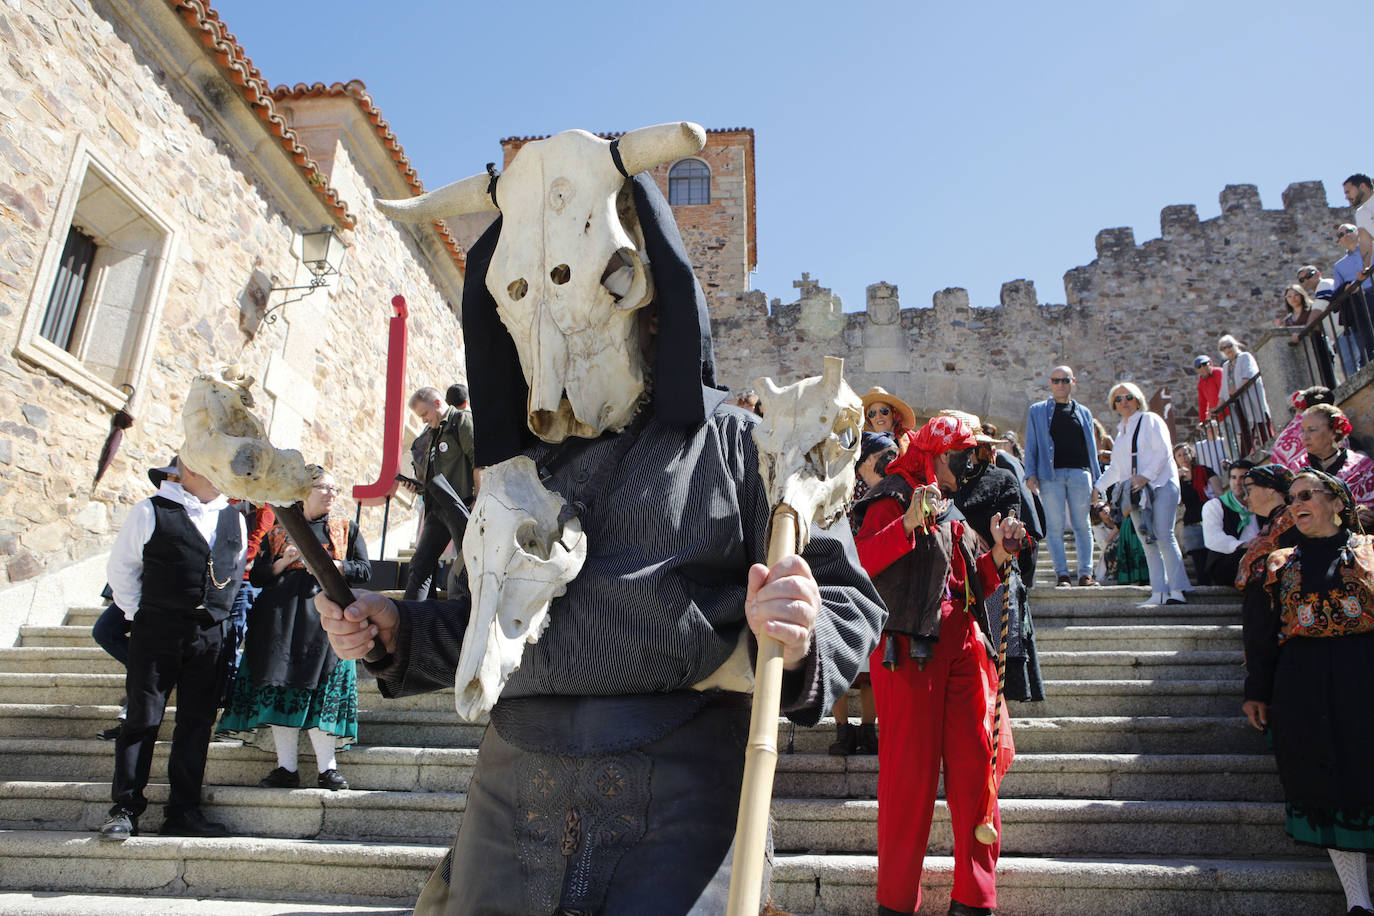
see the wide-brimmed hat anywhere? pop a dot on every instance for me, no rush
(157, 475)
(905, 415)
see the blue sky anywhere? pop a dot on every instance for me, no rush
(927, 145)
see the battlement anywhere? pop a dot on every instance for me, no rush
(1139, 311)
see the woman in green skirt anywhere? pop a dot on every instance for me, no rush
(289, 679)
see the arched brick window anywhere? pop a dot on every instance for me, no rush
(689, 182)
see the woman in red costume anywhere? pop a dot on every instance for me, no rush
(933, 673)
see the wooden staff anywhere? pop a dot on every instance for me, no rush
(798, 420)
(320, 563)
(986, 832)
(761, 753)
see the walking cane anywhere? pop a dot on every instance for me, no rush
(807, 444)
(985, 832)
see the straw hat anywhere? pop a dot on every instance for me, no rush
(905, 415)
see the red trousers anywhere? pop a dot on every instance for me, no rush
(939, 713)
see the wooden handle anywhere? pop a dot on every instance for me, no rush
(761, 754)
(320, 564)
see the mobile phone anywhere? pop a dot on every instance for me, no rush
(410, 480)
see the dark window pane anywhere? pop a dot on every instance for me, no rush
(72, 272)
(689, 182)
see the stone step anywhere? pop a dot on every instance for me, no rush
(395, 769)
(83, 616)
(1225, 734)
(67, 904)
(843, 885)
(816, 775)
(233, 868)
(1133, 615)
(1128, 594)
(1047, 827)
(1180, 665)
(1030, 826)
(1144, 638)
(385, 727)
(1125, 777)
(1136, 698)
(319, 814)
(57, 688)
(317, 872)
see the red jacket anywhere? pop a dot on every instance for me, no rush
(1208, 394)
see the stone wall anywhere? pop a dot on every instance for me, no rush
(132, 81)
(1137, 312)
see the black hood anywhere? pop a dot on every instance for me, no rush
(684, 385)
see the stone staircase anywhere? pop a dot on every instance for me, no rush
(1137, 789)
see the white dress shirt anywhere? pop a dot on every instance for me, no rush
(1215, 537)
(125, 568)
(1154, 452)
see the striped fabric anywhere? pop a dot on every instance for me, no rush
(659, 604)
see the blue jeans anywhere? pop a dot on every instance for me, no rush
(1069, 488)
(1162, 554)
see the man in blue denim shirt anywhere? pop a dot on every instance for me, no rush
(1061, 466)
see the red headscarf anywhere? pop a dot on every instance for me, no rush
(939, 435)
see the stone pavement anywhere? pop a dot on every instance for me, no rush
(1137, 789)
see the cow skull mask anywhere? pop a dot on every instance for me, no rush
(807, 442)
(569, 272)
(520, 555)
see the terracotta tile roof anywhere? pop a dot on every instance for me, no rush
(513, 144)
(357, 91)
(233, 61)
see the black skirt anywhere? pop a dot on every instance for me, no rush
(1321, 725)
(286, 647)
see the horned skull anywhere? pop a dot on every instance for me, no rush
(807, 443)
(227, 444)
(520, 555)
(569, 272)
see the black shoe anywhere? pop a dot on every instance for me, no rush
(846, 740)
(280, 778)
(122, 824)
(963, 909)
(111, 733)
(191, 822)
(332, 780)
(868, 739)
(1360, 911)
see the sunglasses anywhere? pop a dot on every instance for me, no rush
(879, 412)
(1300, 496)
(1343, 233)
(1123, 397)
(1059, 381)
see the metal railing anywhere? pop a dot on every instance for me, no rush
(1339, 341)
(1233, 433)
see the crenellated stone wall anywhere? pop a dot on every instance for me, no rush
(1138, 312)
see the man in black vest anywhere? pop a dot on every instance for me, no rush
(1228, 526)
(174, 569)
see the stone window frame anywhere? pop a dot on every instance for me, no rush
(146, 306)
(688, 183)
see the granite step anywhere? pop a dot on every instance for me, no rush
(312, 874)
(318, 814)
(57, 688)
(816, 775)
(1108, 613)
(1200, 595)
(1182, 665)
(1049, 827)
(395, 769)
(317, 872)
(843, 885)
(52, 903)
(1117, 697)
(1034, 826)
(1143, 638)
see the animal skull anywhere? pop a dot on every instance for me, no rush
(519, 557)
(569, 271)
(807, 443)
(226, 443)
